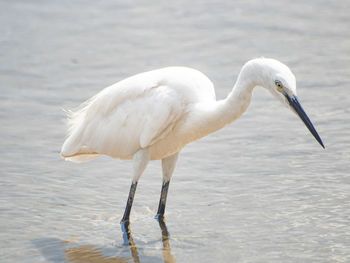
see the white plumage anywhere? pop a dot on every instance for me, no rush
(153, 115)
(136, 113)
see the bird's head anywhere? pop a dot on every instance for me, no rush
(280, 81)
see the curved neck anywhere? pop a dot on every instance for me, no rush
(211, 117)
(239, 98)
(237, 102)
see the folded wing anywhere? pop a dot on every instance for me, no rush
(122, 119)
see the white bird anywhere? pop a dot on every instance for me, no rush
(153, 115)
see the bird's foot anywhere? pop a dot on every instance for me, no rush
(125, 225)
(160, 217)
(161, 220)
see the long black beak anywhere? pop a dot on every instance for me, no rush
(295, 104)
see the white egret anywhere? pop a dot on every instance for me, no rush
(153, 115)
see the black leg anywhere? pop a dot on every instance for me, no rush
(162, 200)
(129, 202)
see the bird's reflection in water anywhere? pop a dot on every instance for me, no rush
(166, 252)
(167, 256)
(91, 254)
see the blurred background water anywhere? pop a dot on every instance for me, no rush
(260, 190)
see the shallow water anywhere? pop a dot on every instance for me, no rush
(260, 190)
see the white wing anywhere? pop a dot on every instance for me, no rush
(132, 114)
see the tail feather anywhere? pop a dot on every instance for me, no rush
(72, 147)
(80, 158)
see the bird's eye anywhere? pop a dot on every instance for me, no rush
(279, 85)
